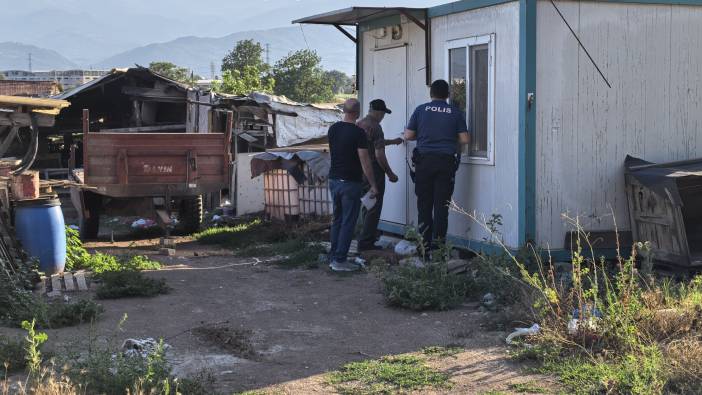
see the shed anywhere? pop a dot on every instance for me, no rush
(557, 93)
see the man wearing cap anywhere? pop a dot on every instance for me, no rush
(439, 128)
(350, 161)
(376, 150)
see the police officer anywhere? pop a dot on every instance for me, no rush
(438, 128)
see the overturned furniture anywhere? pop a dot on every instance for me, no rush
(665, 207)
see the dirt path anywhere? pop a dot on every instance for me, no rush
(303, 324)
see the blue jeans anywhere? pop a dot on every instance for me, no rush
(346, 196)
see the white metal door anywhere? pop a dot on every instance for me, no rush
(390, 84)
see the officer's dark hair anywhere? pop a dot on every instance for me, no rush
(439, 90)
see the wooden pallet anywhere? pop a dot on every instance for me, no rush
(66, 282)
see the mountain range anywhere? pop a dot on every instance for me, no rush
(197, 53)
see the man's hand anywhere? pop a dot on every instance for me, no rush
(373, 191)
(392, 177)
(396, 141)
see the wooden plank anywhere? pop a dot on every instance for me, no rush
(68, 281)
(33, 102)
(80, 280)
(24, 120)
(56, 283)
(145, 129)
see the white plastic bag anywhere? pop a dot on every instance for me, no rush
(368, 202)
(523, 332)
(405, 248)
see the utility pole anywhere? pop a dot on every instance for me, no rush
(268, 54)
(30, 62)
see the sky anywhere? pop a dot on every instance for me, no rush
(86, 31)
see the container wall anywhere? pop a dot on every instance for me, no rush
(487, 189)
(652, 56)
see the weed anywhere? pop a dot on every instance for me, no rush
(529, 387)
(33, 342)
(430, 287)
(442, 351)
(59, 315)
(201, 384)
(12, 354)
(77, 257)
(388, 375)
(127, 284)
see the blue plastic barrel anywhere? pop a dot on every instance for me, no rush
(42, 232)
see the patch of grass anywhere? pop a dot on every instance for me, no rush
(77, 257)
(529, 387)
(127, 284)
(388, 375)
(442, 351)
(431, 287)
(243, 235)
(294, 252)
(12, 354)
(59, 315)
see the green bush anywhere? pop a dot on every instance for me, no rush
(430, 287)
(77, 257)
(12, 354)
(127, 284)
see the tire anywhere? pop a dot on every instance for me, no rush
(89, 227)
(191, 214)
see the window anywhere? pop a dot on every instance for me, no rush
(470, 70)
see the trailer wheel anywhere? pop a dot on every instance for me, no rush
(90, 225)
(191, 214)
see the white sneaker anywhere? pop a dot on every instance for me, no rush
(343, 267)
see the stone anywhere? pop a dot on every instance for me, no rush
(167, 251)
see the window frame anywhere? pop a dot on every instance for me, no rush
(467, 43)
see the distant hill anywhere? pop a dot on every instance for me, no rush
(197, 53)
(14, 56)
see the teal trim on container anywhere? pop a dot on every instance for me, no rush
(527, 121)
(463, 5)
(467, 5)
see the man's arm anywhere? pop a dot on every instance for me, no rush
(383, 162)
(464, 138)
(396, 141)
(410, 135)
(367, 166)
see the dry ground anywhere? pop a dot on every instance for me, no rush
(300, 323)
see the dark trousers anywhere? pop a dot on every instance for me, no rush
(371, 217)
(434, 182)
(346, 196)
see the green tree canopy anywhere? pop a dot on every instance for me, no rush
(340, 82)
(243, 83)
(245, 53)
(300, 77)
(174, 72)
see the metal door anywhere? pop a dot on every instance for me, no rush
(390, 84)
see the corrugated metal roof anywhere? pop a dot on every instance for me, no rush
(356, 15)
(113, 75)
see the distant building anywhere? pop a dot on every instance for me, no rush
(206, 84)
(29, 88)
(67, 78)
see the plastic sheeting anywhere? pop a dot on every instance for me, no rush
(317, 162)
(311, 122)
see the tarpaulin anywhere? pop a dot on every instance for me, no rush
(662, 178)
(317, 162)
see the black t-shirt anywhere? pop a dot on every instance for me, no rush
(345, 139)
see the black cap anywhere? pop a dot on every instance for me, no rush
(379, 105)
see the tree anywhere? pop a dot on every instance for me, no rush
(174, 72)
(340, 82)
(300, 77)
(245, 53)
(243, 83)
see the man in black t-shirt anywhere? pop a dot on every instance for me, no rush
(348, 147)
